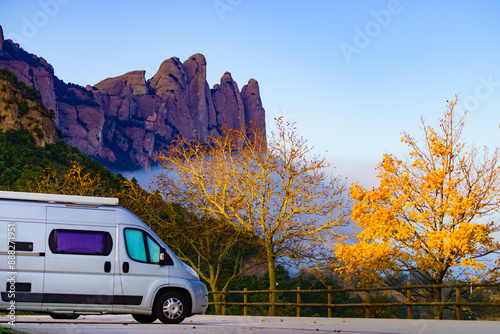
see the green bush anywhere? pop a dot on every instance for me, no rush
(23, 108)
(21, 159)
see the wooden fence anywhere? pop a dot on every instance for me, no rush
(409, 302)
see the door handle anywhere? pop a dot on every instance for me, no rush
(125, 267)
(107, 267)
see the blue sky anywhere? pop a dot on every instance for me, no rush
(352, 74)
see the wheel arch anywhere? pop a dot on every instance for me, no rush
(182, 291)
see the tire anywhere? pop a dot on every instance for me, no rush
(65, 316)
(144, 319)
(171, 308)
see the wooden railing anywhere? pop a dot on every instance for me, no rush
(409, 302)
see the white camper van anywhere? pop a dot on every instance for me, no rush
(73, 255)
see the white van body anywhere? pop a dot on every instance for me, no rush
(72, 255)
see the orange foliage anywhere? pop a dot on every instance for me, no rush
(75, 181)
(424, 218)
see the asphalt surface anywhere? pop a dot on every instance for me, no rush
(207, 324)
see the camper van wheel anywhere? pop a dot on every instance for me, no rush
(171, 308)
(144, 319)
(66, 316)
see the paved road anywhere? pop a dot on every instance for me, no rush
(256, 325)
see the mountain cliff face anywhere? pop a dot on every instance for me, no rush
(20, 108)
(123, 121)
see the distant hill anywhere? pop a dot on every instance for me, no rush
(123, 121)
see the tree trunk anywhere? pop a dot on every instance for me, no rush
(271, 263)
(217, 299)
(438, 310)
(214, 288)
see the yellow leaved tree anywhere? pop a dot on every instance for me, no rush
(276, 190)
(424, 219)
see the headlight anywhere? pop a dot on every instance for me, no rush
(191, 271)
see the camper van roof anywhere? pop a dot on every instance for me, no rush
(72, 199)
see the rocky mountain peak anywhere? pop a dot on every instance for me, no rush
(1, 39)
(129, 83)
(170, 75)
(123, 121)
(227, 97)
(195, 65)
(226, 78)
(254, 111)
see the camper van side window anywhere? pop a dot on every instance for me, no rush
(141, 247)
(135, 245)
(80, 242)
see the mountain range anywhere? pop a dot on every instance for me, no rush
(123, 121)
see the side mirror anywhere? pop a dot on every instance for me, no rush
(165, 259)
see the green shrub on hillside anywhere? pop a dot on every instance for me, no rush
(21, 160)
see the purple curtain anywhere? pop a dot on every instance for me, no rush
(80, 243)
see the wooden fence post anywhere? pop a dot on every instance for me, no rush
(408, 300)
(298, 301)
(329, 301)
(245, 300)
(224, 303)
(367, 299)
(458, 308)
